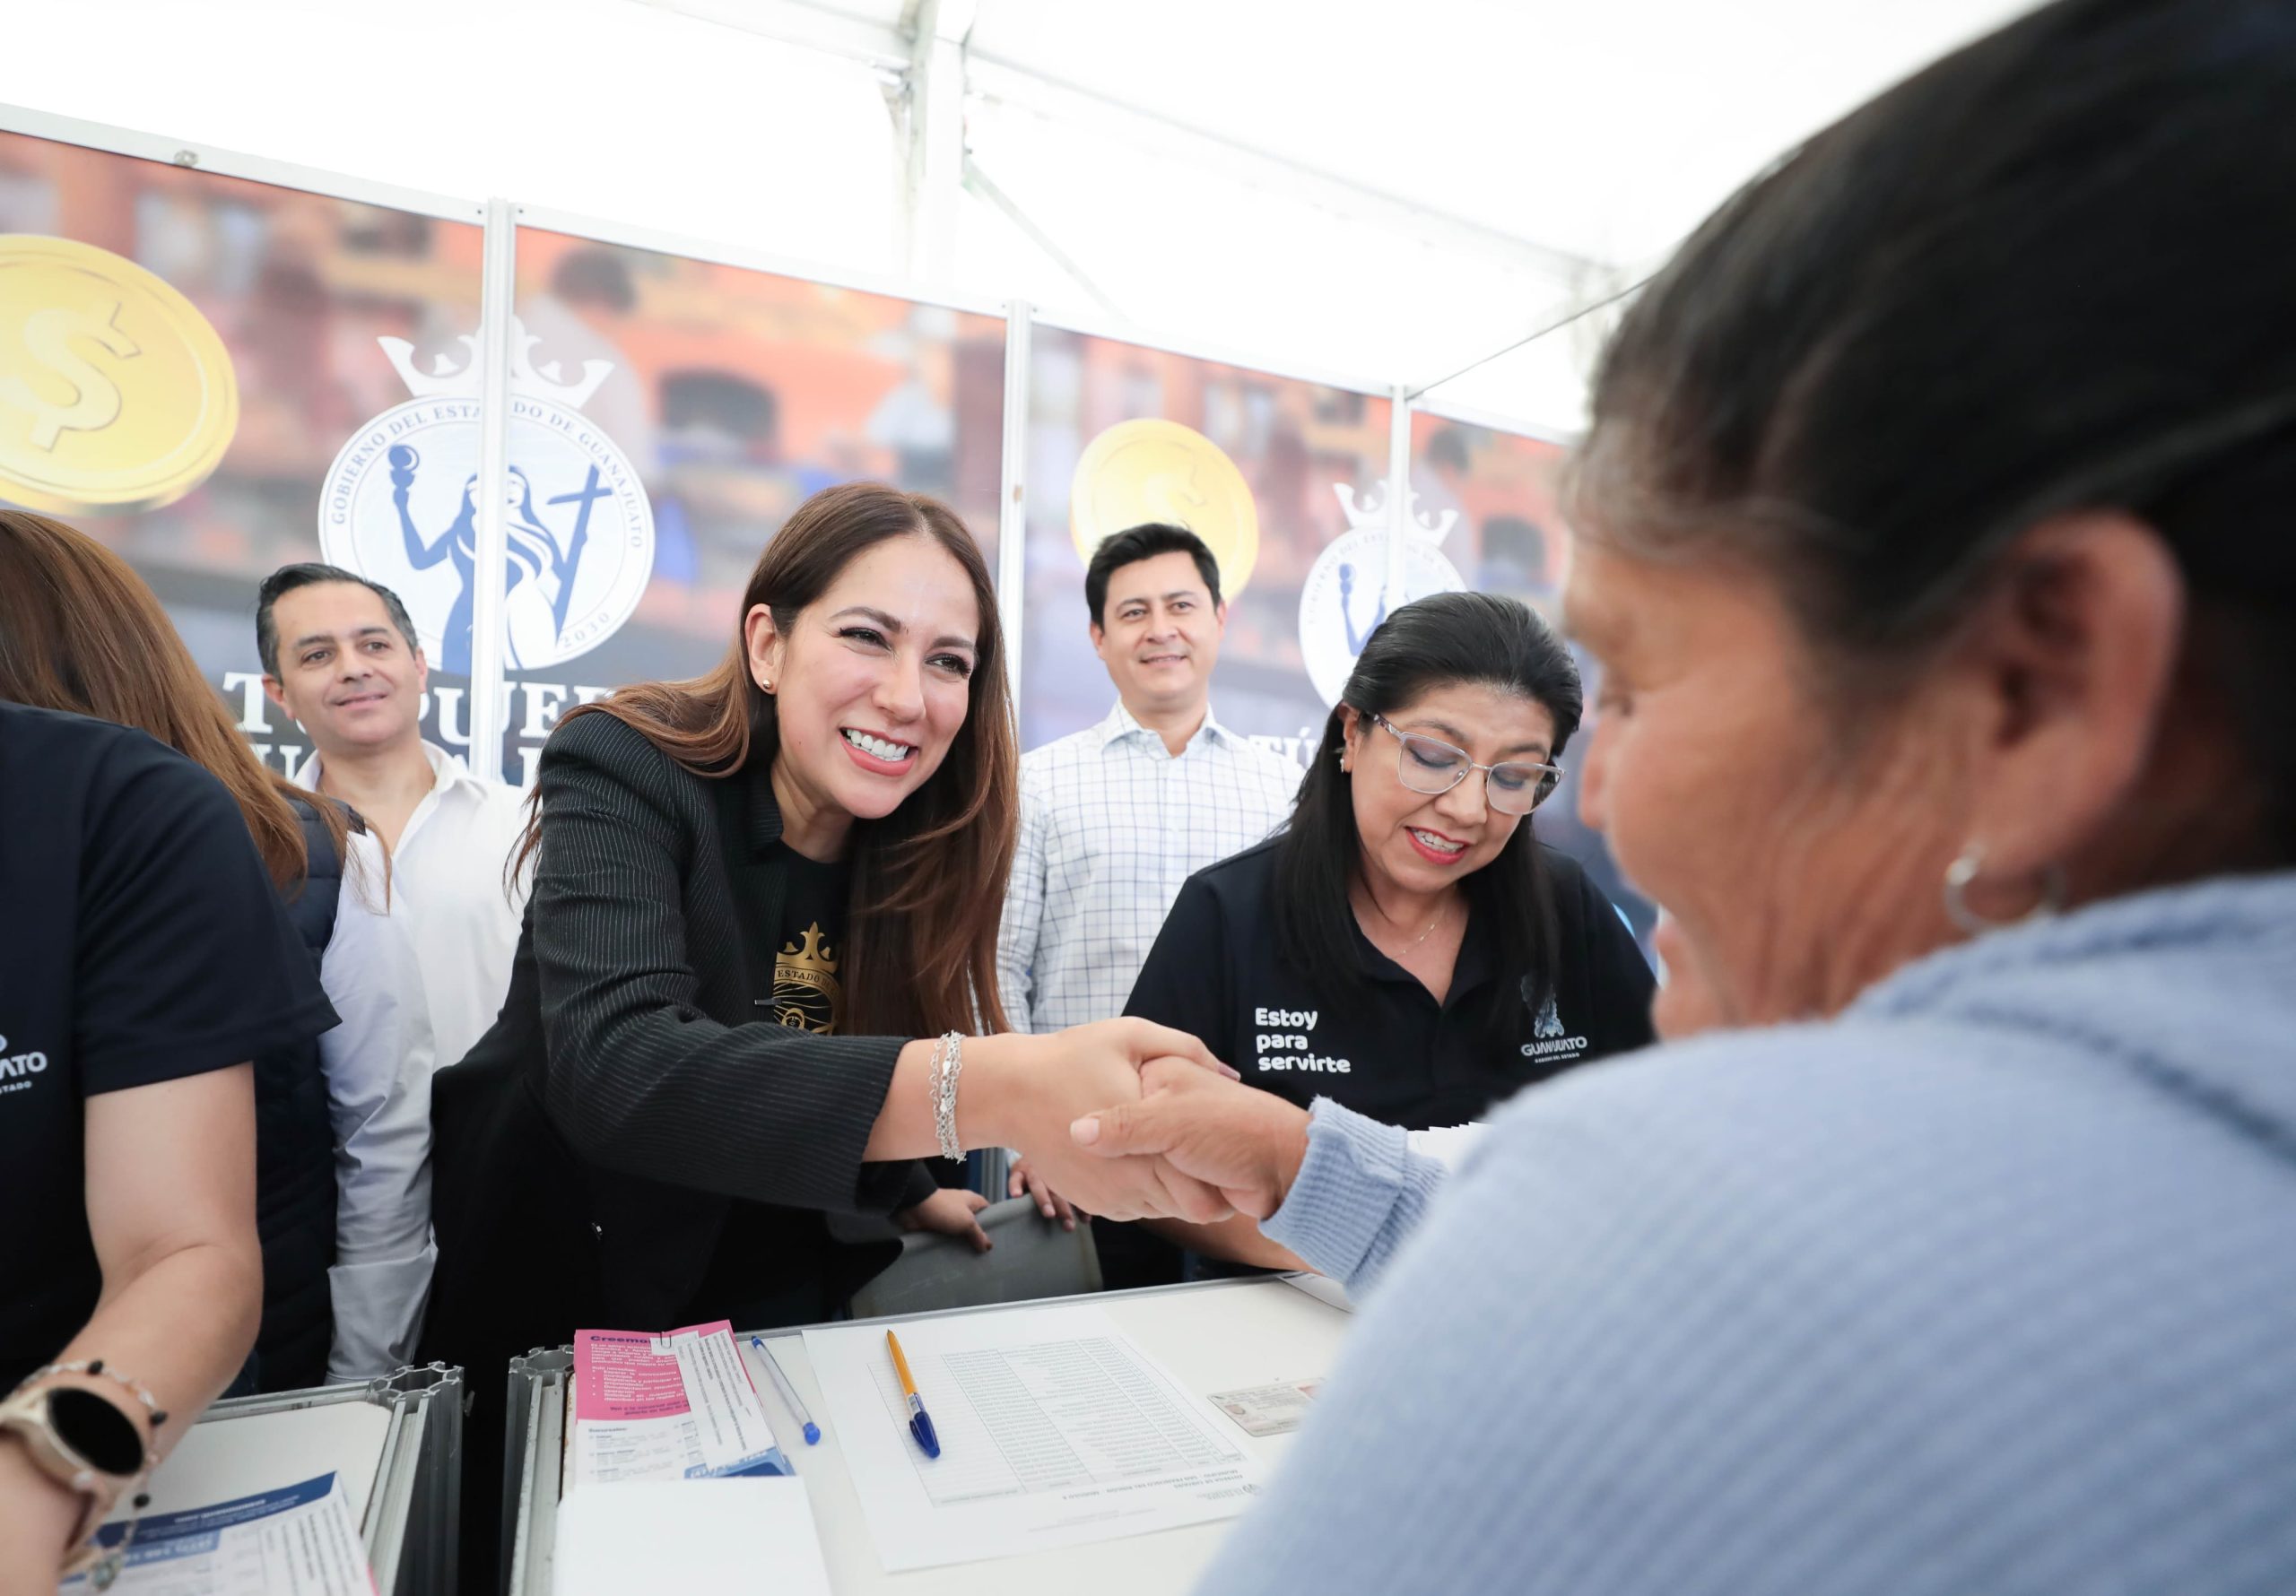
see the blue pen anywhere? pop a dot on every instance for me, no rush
(920, 1423)
(788, 1394)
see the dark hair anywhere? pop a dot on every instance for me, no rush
(1442, 641)
(2036, 277)
(287, 578)
(929, 880)
(1144, 541)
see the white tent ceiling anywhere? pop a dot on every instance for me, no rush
(1383, 189)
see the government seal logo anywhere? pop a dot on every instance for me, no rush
(400, 506)
(1345, 596)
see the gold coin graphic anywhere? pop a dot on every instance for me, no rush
(1155, 470)
(114, 393)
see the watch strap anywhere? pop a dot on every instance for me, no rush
(25, 1416)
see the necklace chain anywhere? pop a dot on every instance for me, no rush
(1415, 941)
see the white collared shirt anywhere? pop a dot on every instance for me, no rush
(377, 1066)
(1111, 825)
(447, 870)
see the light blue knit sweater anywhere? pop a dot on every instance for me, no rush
(1986, 1286)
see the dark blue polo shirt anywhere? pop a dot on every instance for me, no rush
(1395, 1054)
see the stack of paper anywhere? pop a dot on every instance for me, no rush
(662, 1424)
(679, 1406)
(1447, 1144)
(1055, 1429)
(717, 1535)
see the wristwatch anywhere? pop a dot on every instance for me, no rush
(85, 1444)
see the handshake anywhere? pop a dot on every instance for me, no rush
(1132, 1120)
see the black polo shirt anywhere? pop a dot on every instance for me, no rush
(139, 942)
(1396, 1054)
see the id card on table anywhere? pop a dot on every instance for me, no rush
(1268, 1409)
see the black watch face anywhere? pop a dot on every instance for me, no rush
(95, 1429)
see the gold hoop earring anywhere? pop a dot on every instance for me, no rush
(1962, 872)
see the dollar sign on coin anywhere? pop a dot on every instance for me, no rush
(115, 391)
(1155, 470)
(95, 400)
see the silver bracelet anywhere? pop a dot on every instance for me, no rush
(948, 1061)
(933, 1077)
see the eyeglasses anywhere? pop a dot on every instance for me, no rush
(1430, 766)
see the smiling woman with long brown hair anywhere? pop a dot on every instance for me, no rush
(758, 894)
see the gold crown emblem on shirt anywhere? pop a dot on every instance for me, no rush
(814, 954)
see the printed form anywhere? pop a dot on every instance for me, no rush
(1055, 1429)
(679, 1406)
(296, 1541)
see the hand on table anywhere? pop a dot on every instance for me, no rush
(949, 1212)
(1026, 1183)
(1247, 1144)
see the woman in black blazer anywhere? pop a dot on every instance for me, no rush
(751, 891)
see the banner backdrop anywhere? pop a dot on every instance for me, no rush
(182, 355)
(666, 416)
(1509, 538)
(216, 377)
(1281, 477)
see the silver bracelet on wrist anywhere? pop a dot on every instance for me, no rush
(948, 1060)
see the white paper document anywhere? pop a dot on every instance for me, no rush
(718, 1535)
(1323, 1289)
(1055, 1429)
(1447, 1144)
(679, 1406)
(300, 1540)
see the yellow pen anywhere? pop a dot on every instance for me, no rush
(920, 1423)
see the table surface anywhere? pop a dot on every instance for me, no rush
(1213, 1336)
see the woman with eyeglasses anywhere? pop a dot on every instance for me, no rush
(1406, 947)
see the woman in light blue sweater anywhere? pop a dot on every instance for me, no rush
(1934, 542)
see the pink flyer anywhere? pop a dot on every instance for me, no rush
(679, 1405)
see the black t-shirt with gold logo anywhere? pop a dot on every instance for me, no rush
(772, 1264)
(808, 995)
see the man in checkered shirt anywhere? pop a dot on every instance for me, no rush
(1113, 819)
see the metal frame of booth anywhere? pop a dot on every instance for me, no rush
(411, 1526)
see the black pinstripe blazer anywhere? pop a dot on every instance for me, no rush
(589, 1146)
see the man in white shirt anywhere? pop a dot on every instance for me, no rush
(1113, 819)
(340, 656)
(378, 1065)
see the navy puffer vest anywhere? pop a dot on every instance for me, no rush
(294, 1159)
